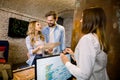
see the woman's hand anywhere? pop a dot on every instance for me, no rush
(68, 50)
(64, 58)
(37, 49)
(40, 47)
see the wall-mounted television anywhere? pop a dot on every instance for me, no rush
(17, 28)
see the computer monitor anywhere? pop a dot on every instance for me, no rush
(51, 68)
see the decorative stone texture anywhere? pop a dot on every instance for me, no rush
(68, 29)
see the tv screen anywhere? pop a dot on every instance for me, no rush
(51, 68)
(17, 28)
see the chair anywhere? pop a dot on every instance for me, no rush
(4, 44)
(5, 68)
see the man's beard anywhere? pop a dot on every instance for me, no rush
(51, 24)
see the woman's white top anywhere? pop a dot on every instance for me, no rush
(30, 48)
(91, 60)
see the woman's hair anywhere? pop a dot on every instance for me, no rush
(94, 21)
(31, 32)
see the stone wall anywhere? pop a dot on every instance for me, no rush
(68, 29)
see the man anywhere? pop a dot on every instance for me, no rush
(54, 32)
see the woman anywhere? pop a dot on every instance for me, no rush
(91, 51)
(34, 42)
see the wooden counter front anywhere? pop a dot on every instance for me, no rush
(24, 74)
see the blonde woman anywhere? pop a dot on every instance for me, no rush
(34, 42)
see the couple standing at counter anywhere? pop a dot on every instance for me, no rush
(37, 37)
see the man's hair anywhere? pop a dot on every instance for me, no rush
(51, 13)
